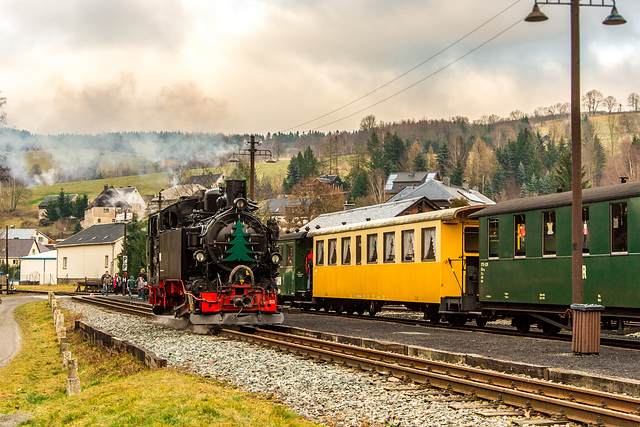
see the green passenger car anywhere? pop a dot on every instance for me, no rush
(294, 280)
(525, 256)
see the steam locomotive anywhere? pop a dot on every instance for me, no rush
(212, 261)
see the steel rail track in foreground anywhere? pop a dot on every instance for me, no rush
(577, 404)
(632, 344)
(112, 304)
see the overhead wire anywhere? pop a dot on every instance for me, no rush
(409, 71)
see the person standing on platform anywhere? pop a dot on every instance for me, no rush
(107, 281)
(131, 284)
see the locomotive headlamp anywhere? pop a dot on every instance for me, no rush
(240, 203)
(200, 256)
(276, 258)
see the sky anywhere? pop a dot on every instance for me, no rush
(258, 66)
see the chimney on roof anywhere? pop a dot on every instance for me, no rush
(465, 185)
(105, 187)
(447, 181)
(348, 206)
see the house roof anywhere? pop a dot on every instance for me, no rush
(382, 211)
(45, 255)
(407, 178)
(437, 191)
(177, 191)
(206, 180)
(112, 197)
(99, 234)
(275, 206)
(19, 248)
(329, 179)
(22, 233)
(45, 202)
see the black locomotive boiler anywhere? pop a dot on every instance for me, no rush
(211, 260)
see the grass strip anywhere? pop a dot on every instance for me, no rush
(118, 390)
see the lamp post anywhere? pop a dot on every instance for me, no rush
(614, 18)
(6, 253)
(252, 151)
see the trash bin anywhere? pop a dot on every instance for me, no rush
(586, 328)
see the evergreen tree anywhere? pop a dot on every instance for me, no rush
(51, 212)
(444, 159)
(312, 164)
(374, 148)
(521, 176)
(136, 247)
(360, 185)
(239, 250)
(394, 152)
(562, 175)
(419, 162)
(64, 205)
(293, 175)
(302, 165)
(79, 206)
(457, 173)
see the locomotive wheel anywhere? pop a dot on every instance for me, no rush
(360, 311)
(339, 309)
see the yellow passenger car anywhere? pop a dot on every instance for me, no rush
(422, 261)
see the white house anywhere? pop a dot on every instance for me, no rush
(89, 253)
(39, 268)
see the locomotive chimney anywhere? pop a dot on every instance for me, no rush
(236, 188)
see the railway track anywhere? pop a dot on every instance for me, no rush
(113, 304)
(559, 401)
(628, 343)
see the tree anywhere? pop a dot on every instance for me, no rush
(64, 205)
(239, 250)
(481, 164)
(13, 192)
(311, 198)
(633, 101)
(51, 211)
(311, 163)
(136, 247)
(457, 173)
(562, 175)
(79, 205)
(374, 148)
(592, 100)
(610, 103)
(394, 152)
(293, 175)
(368, 124)
(419, 162)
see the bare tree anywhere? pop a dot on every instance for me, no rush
(516, 115)
(13, 192)
(612, 124)
(563, 108)
(633, 101)
(611, 103)
(481, 164)
(376, 186)
(310, 198)
(592, 100)
(368, 124)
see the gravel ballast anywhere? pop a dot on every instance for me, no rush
(325, 393)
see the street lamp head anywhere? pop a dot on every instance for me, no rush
(536, 15)
(271, 160)
(233, 159)
(614, 18)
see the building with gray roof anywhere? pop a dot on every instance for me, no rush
(441, 194)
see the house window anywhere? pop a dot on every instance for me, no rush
(333, 252)
(619, 227)
(389, 247)
(346, 251)
(493, 238)
(99, 220)
(64, 262)
(429, 244)
(520, 249)
(358, 249)
(106, 210)
(372, 248)
(407, 245)
(106, 261)
(320, 252)
(548, 233)
(585, 230)
(289, 261)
